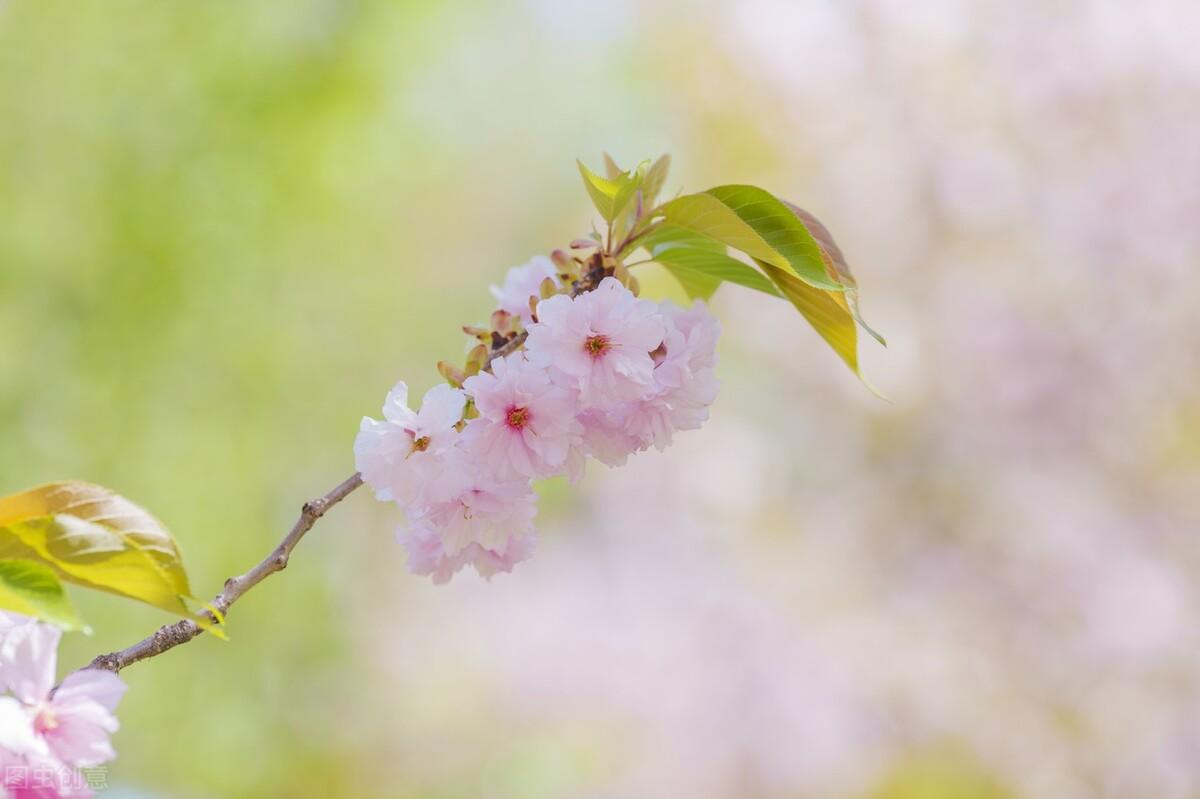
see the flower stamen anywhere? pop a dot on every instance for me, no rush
(596, 345)
(517, 418)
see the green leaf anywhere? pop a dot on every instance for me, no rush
(611, 170)
(604, 192)
(695, 261)
(697, 284)
(613, 197)
(90, 536)
(664, 235)
(656, 176)
(32, 589)
(750, 219)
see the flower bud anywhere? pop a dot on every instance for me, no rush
(621, 273)
(451, 374)
(568, 267)
(474, 331)
(502, 321)
(476, 358)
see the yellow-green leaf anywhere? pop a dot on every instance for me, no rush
(602, 191)
(611, 170)
(696, 263)
(32, 589)
(93, 537)
(750, 219)
(613, 197)
(696, 284)
(835, 262)
(656, 176)
(826, 311)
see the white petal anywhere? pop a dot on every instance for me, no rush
(28, 661)
(395, 407)
(441, 408)
(16, 730)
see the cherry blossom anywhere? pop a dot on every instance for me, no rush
(684, 377)
(601, 375)
(46, 730)
(600, 342)
(485, 510)
(428, 558)
(604, 438)
(521, 283)
(526, 422)
(400, 456)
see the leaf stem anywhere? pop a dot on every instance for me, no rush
(632, 238)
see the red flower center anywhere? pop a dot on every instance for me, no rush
(596, 345)
(518, 418)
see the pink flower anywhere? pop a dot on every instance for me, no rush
(40, 777)
(489, 524)
(47, 730)
(526, 423)
(685, 384)
(600, 342)
(523, 282)
(400, 458)
(684, 407)
(604, 438)
(484, 510)
(426, 555)
(700, 330)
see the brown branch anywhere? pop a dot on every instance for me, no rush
(507, 348)
(170, 636)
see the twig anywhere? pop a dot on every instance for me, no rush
(170, 636)
(507, 348)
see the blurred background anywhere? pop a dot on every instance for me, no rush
(227, 228)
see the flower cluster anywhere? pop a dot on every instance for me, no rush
(48, 734)
(601, 374)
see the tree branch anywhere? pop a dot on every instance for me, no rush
(170, 636)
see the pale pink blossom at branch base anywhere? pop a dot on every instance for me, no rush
(39, 777)
(401, 456)
(526, 422)
(49, 731)
(522, 283)
(600, 342)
